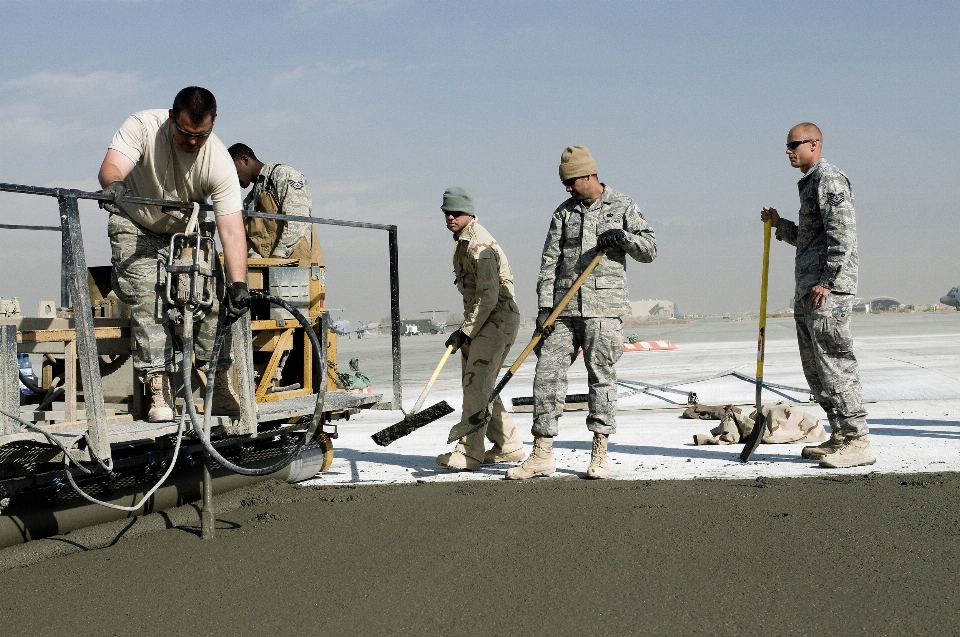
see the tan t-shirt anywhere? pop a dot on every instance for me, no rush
(163, 171)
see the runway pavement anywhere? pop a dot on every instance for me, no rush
(910, 371)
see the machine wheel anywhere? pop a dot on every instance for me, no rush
(326, 446)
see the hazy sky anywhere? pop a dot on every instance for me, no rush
(383, 104)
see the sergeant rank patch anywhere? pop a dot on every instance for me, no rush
(835, 198)
(297, 185)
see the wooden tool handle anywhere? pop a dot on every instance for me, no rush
(561, 306)
(436, 372)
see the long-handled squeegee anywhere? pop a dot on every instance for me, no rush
(416, 419)
(479, 419)
(756, 435)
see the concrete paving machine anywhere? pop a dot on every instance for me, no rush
(76, 447)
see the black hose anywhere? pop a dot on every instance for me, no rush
(29, 384)
(222, 329)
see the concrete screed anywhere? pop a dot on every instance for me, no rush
(910, 371)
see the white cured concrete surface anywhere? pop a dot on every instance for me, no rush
(910, 371)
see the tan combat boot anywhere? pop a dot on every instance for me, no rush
(854, 452)
(161, 398)
(226, 402)
(598, 468)
(458, 460)
(511, 451)
(832, 444)
(539, 463)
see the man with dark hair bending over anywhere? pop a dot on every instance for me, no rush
(172, 154)
(277, 189)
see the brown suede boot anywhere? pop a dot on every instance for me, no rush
(511, 451)
(539, 463)
(832, 445)
(161, 398)
(598, 468)
(226, 402)
(466, 456)
(854, 452)
(458, 460)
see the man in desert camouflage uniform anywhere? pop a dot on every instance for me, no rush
(172, 154)
(593, 218)
(490, 325)
(826, 282)
(277, 189)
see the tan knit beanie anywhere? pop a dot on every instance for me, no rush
(576, 161)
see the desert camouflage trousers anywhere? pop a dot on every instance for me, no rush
(139, 278)
(602, 342)
(831, 370)
(481, 361)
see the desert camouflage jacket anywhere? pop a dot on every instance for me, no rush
(483, 277)
(292, 193)
(571, 245)
(826, 237)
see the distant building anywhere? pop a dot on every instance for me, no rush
(653, 308)
(423, 326)
(884, 303)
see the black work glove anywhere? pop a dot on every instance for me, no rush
(116, 188)
(237, 302)
(541, 319)
(611, 239)
(457, 340)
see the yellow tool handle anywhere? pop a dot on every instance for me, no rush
(762, 337)
(556, 311)
(436, 372)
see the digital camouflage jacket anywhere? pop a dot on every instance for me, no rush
(826, 236)
(571, 245)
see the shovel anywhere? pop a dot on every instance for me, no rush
(481, 418)
(759, 427)
(416, 418)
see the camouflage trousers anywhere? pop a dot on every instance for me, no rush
(602, 342)
(826, 352)
(481, 360)
(139, 259)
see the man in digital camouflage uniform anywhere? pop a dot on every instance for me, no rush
(490, 325)
(277, 188)
(826, 282)
(594, 217)
(172, 154)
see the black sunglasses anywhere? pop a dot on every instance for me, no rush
(569, 182)
(790, 145)
(197, 135)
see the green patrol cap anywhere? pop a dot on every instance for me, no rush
(457, 199)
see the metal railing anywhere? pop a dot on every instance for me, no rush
(73, 284)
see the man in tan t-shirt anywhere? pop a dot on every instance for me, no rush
(172, 154)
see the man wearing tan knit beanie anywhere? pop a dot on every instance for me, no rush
(594, 218)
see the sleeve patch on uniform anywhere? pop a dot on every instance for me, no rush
(296, 185)
(835, 198)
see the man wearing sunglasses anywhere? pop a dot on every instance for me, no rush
(172, 154)
(593, 218)
(491, 320)
(826, 282)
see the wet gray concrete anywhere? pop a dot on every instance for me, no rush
(866, 554)
(857, 555)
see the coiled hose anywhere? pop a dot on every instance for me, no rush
(222, 329)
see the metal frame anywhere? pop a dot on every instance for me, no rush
(73, 282)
